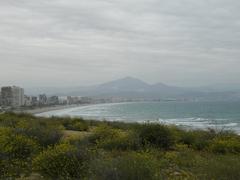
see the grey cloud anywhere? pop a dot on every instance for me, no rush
(184, 42)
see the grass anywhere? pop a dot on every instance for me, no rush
(72, 148)
(70, 134)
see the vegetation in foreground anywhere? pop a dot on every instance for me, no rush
(64, 148)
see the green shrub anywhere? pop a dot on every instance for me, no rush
(228, 145)
(103, 132)
(75, 124)
(62, 161)
(202, 165)
(197, 139)
(188, 138)
(78, 126)
(126, 167)
(156, 135)
(14, 168)
(16, 152)
(44, 133)
(7, 121)
(124, 141)
(220, 167)
(15, 146)
(110, 138)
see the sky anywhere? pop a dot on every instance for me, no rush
(85, 42)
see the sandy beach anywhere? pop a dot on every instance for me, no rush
(46, 109)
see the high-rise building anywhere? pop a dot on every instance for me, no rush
(12, 96)
(34, 101)
(53, 100)
(73, 99)
(27, 101)
(0, 98)
(42, 99)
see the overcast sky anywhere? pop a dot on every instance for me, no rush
(82, 42)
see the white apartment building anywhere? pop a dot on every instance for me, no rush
(12, 96)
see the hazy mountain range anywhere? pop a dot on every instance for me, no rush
(134, 88)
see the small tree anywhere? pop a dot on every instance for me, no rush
(156, 135)
(62, 161)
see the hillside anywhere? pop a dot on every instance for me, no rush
(132, 88)
(64, 148)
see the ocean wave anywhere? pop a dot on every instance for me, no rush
(201, 123)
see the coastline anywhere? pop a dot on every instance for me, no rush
(40, 111)
(56, 108)
(47, 109)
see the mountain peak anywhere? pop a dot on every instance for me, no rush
(126, 84)
(130, 79)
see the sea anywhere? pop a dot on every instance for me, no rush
(224, 115)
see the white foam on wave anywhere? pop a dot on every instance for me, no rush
(202, 123)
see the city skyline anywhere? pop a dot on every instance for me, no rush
(16, 97)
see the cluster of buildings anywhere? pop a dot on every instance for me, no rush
(41, 100)
(14, 97)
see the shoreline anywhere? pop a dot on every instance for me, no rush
(48, 109)
(39, 110)
(56, 108)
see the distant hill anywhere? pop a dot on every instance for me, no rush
(129, 87)
(132, 88)
(124, 85)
